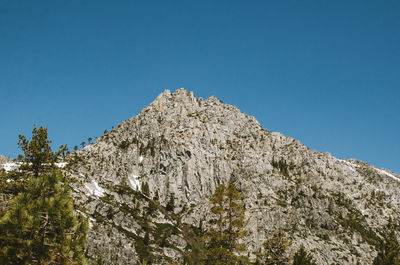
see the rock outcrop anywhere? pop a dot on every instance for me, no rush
(4, 159)
(179, 148)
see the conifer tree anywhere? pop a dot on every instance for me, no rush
(303, 258)
(171, 203)
(389, 252)
(38, 156)
(41, 226)
(275, 250)
(145, 189)
(221, 239)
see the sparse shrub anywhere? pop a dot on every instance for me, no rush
(303, 258)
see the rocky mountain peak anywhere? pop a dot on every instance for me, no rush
(179, 97)
(180, 148)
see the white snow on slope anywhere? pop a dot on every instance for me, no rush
(94, 189)
(134, 182)
(140, 159)
(10, 166)
(91, 220)
(349, 164)
(381, 171)
(61, 164)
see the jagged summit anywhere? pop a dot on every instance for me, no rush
(180, 97)
(182, 147)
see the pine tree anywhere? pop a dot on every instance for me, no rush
(389, 254)
(171, 203)
(303, 258)
(145, 189)
(41, 226)
(221, 239)
(38, 156)
(275, 250)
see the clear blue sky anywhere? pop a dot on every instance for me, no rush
(324, 72)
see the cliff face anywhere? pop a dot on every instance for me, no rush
(182, 147)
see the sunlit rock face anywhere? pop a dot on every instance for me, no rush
(183, 147)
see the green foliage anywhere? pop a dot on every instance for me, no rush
(12, 183)
(171, 203)
(389, 253)
(281, 165)
(303, 258)
(124, 144)
(221, 240)
(275, 250)
(41, 227)
(145, 189)
(156, 196)
(38, 156)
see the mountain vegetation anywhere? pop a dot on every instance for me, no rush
(221, 239)
(41, 225)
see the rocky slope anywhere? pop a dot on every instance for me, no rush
(4, 159)
(179, 148)
(6, 163)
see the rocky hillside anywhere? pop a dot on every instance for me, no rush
(5, 163)
(4, 159)
(146, 186)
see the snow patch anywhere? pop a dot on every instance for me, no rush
(91, 221)
(164, 221)
(381, 171)
(140, 159)
(134, 182)
(9, 166)
(61, 164)
(349, 164)
(94, 189)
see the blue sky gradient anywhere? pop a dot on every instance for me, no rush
(324, 72)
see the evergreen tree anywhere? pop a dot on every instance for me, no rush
(171, 203)
(275, 250)
(145, 189)
(303, 258)
(41, 226)
(38, 156)
(389, 254)
(221, 239)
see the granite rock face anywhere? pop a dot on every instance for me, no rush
(180, 148)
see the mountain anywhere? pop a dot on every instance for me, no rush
(6, 163)
(145, 187)
(4, 159)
